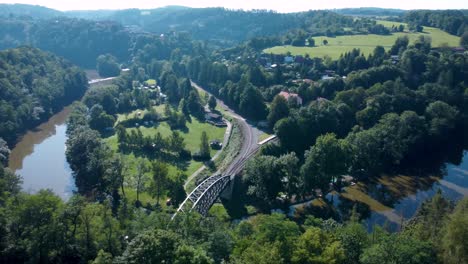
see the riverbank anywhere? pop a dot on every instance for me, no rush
(39, 155)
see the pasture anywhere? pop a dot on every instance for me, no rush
(366, 43)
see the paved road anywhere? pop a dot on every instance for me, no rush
(249, 138)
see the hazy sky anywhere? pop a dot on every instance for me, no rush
(281, 6)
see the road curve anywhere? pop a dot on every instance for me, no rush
(249, 136)
(219, 179)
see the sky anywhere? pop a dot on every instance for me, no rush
(280, 6)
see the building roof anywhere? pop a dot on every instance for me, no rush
(288, 95)
(212, 116)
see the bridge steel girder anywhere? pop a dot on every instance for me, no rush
(204, 195)
(210, 195)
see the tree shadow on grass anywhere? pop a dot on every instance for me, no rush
(169, 158)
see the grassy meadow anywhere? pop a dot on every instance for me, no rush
(341, 44)
(191, 135)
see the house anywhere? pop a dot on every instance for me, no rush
(327, 77)
(291, 96)
(307, 81)
(213, 117)
(395, 58)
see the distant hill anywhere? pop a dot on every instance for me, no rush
(32, 11)
(219, 24)
(90, 14)
(81, 41)
(370, 11)
(110, 14)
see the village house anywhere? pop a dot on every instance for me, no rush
(291, 96)
(212, 117)
(215, 119)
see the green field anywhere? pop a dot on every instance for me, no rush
(341, 44)
(191, 135)
(122, 117)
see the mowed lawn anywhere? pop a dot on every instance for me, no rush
(192, 138)
(191, 135)
(366, 43)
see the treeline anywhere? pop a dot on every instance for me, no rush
(371, 12)
(224, 26)
(454, 22)
(42, 228)
(34, 85)
(25, 11)
(156, 145)
(237, 25)
(219, 25)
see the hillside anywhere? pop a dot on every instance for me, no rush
(366, 43)
(32, 11)
(80, 41)
(34, 84)
(221, 24)
(370, 11)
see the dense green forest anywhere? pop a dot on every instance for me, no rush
(80, 41)
(401, 111)
(41, 228)
(34, 85)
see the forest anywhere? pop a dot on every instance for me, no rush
(80, 41)
(397, 111)
(34, 85)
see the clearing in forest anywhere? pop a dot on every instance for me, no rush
(366, 43)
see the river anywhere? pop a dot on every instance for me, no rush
(389, 200)
(39, 158)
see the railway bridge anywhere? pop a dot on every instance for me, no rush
(208, 191)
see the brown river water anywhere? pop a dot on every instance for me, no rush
(39, 158)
